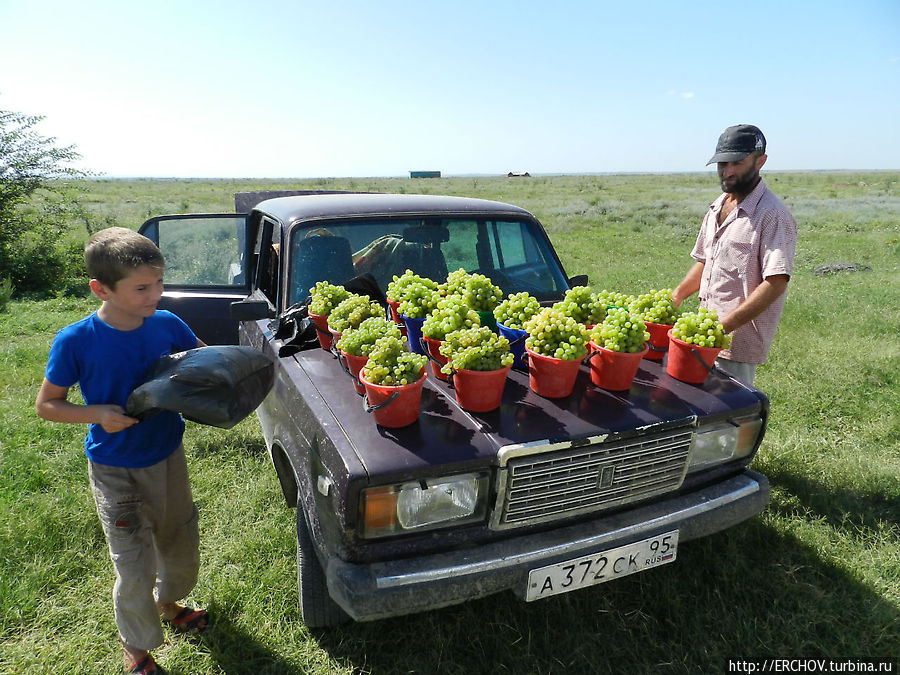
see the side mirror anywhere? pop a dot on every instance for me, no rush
(579, 280)
(251, 309)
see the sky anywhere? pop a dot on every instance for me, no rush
(278, 88)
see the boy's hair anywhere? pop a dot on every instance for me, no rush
(113, 253)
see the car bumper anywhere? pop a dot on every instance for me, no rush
(392, 588)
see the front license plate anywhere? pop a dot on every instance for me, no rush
(594, 569)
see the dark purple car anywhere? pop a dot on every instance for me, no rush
(540, 497)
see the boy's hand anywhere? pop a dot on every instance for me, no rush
(113, 418)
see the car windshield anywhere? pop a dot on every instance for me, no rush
(514, 254)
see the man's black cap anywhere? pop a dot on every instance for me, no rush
(737, 142)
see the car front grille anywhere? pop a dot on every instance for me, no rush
(545, 482)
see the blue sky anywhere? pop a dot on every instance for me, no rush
(315, 89)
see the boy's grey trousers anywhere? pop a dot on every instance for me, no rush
(150, 522)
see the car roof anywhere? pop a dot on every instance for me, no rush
(289, 210)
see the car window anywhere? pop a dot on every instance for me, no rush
(202, 251)
(513, 253)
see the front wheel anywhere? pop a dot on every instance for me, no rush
(317, 609)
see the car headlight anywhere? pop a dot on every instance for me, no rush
(724, 441)
(423, 505)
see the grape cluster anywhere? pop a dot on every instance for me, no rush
(419, 300)
(481, 294)
(400, 287)
(516, 310)
(450, 314)
(476, 348)
(456, 282)
(582, 305)
(359, 341)
(326, 297)
(552, 333)
(701, 328)
(390, 364)
(353, 311)
(656, 307)
(614, 299)
(621, 332)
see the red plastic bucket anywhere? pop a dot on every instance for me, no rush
(393, 304)
(659, 338)
(551, 377)
(433, 351)
(683, 363)
(390, 410)
(614, 371)
(355, 364)
(324, 335)
(479, 390)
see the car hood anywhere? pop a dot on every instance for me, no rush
(447, 439)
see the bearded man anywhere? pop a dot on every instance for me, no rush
(744, 253)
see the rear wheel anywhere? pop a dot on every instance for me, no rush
(317, 608)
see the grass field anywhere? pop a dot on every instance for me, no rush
(817, 574)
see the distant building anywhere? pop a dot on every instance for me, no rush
(518, 174)
(424, 174)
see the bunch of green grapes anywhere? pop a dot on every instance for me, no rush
(656, 307)
(390, 364)
(582, 305)
(516, 310)
(481, 294)
(398, 289)
(456, 282)
(352, 312)
(450, 314)
(552, 333)
(615, 299)
(621, 332)
(326, 297)
(419, 300)
(701, 328)
(359, 341)
(476, 348)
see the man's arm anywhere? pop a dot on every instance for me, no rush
(51, 405)
(689, 285)
(762, 296)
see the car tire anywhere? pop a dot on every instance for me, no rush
(317, 609)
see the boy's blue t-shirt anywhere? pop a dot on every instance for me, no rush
(107, 364)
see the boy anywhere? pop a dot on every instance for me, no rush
(137, 470)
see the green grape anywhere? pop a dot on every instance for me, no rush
(456, 282)
(419, 299)
(450, 314)
(353, 311)
(620, 332)
(325, 297)
(359, 341)
(614, 299)
(400, 287)
(476, 348)
(582, 305)
(390, 364)
(516, 310)
(701, 328)
(481, 294)
(552, 333)
(656, 307)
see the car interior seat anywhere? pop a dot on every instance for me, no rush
(320, 258)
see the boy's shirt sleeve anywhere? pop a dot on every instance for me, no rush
(62, 363)
(184, 337)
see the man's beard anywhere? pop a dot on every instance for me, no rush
(741, 184)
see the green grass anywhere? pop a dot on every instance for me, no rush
(817, 574)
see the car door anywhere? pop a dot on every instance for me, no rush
(208, 267)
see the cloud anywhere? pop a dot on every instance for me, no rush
(680, 94)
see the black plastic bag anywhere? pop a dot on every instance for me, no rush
(217, 386)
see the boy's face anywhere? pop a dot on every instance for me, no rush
(135, 296)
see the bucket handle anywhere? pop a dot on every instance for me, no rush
(702, 362)
(378, 406)
(657, 349)
(347, 370)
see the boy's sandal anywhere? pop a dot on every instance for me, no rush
(190, 621)
(146, 666)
